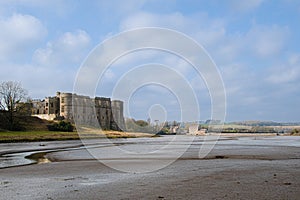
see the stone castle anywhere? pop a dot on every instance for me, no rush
(81, 109)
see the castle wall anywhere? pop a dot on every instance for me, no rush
(52, 105)
(46, 116)
(38, 107)
(117, 121)
(84, 110)
(103, 112)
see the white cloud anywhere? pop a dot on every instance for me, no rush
(259, 40)
(120, 8)
(286, 73)
(53, 66)
(245, 5)
(294, 59)
(209, 32)
(228, 49)
(147, 19)
(199, 26)
(51, 7)
(70, 48)
(27, 2)
(19, 34)
(237, 52)
(39, 81)
(267, 40)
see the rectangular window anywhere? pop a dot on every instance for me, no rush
(62, 100)
(51, 105)
(62, 109)
(46, 104)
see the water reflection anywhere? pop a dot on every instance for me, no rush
(38, 156)
(16, 159)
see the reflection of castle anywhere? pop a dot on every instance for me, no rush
(81, 109)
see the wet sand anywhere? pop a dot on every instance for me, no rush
(237, 168)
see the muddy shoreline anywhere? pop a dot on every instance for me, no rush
(240, 168)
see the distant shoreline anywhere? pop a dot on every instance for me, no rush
(245, 134)
(40, 136)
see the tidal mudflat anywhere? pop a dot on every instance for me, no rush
(262, 167)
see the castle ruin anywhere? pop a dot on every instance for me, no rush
(81, 109)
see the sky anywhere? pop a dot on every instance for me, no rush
(254, 44)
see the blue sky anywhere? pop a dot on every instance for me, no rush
(255, 45)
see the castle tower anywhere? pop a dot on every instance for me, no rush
(117, 122)
(103, 112)
(66, 105)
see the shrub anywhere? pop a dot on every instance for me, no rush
(295, 131)
(61, 126)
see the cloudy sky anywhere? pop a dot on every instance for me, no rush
(254, 44)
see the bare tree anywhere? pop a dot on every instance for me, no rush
(11, 94)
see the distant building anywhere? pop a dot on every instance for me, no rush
(174, 129)
(193, 129)
(81, 109)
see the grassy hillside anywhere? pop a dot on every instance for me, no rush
(35, 129)
(31, 136)
(34, 123)
(27, 123)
